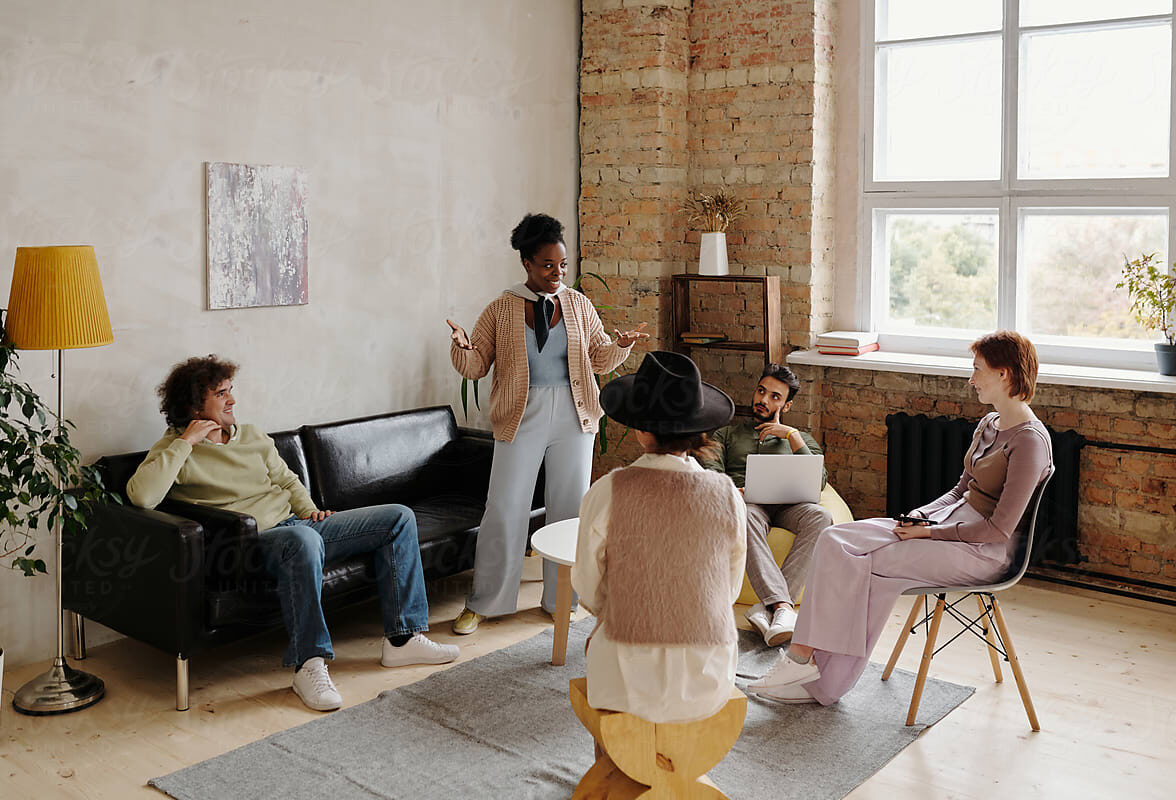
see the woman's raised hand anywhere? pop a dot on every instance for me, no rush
(459, 336)
(627, 338)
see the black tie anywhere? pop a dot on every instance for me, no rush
(544, 308)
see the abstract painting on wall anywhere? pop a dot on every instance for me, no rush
(257, 236)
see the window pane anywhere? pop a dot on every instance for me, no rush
(1071, 260)
(941, 268)
(908, 19)
(1095, 103)
(937, 111)
(1053, 12)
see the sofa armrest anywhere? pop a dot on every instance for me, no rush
(139, 572)
(229, 538)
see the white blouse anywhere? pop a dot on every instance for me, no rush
(657, 683)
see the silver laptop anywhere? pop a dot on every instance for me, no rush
(772, 480)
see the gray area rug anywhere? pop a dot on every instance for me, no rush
(501, 726)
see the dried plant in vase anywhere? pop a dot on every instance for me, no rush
(713, 213)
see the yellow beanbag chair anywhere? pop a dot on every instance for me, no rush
(780, 540)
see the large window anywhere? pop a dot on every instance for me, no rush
(1018, 150)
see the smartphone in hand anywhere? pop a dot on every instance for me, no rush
(909, 520)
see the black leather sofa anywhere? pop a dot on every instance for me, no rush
(185, 578)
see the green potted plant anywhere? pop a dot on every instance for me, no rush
(1152, 289)
(42, 478)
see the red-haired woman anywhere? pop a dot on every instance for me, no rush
(969, 535)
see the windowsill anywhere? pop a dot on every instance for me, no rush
(1063, 374)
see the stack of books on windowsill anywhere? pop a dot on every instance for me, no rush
(847, 343)
(703, 337)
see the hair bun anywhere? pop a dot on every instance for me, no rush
(534, 231)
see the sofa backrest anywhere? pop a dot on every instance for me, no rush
(117, 470)
(289, 445)
(379, 459)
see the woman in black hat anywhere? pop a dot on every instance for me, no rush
(660, 555)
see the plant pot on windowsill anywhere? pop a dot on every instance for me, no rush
(1152, 289)
(1166, 358)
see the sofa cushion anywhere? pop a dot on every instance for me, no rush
(374, 460)
(444, 515)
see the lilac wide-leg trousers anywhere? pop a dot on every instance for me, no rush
(858, 571)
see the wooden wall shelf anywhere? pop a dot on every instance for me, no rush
(773, 345)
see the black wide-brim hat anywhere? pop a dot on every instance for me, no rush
(666, 396)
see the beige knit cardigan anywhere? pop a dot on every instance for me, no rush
(500, 339)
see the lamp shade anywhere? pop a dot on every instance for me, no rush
(56, 302)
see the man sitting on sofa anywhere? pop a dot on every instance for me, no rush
(774, 616)
(205, 457)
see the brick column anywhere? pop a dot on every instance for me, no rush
(633, 164)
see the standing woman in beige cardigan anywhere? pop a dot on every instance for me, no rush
(545, 341)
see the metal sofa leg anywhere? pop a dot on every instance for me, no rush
(181, 683)
(76, 625)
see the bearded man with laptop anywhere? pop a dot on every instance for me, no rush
(763, 457)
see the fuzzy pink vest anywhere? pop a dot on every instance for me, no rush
(668, 558)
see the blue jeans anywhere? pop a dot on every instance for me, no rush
(296, 549)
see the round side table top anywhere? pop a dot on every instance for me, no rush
(557, 541)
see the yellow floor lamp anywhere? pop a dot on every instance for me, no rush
(56, 303)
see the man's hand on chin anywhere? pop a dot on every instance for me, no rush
(776, 429)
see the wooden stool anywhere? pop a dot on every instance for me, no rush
(654, 761)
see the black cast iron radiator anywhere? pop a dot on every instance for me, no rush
(925, 457)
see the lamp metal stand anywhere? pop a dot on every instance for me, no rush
(62, 688)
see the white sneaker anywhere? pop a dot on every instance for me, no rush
(791, 693)
(785, 672)
(778, 629)
(312, 683)
(420, 649)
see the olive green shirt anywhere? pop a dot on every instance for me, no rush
(733, 444)
(245, 474)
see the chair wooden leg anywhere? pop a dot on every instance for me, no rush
(990, 638)
(902, 639)
(1015, 665)
(925, 665)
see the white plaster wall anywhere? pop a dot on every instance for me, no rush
(427, 130)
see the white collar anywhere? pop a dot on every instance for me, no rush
(523, 291)
(667, 462)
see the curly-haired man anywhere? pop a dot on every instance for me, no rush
(206, 457)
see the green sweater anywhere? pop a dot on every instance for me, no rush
(246, 474)
(734, 443)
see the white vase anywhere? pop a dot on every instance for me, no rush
(712, 255)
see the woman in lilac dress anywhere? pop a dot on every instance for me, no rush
(969, 536)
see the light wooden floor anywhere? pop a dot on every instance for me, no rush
(1102, 672)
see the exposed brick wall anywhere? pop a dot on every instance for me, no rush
(633, 166)
(680, 96)
(1127, 507)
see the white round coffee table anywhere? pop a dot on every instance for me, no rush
(557, 542)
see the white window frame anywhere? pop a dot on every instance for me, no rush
(1010, 194)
